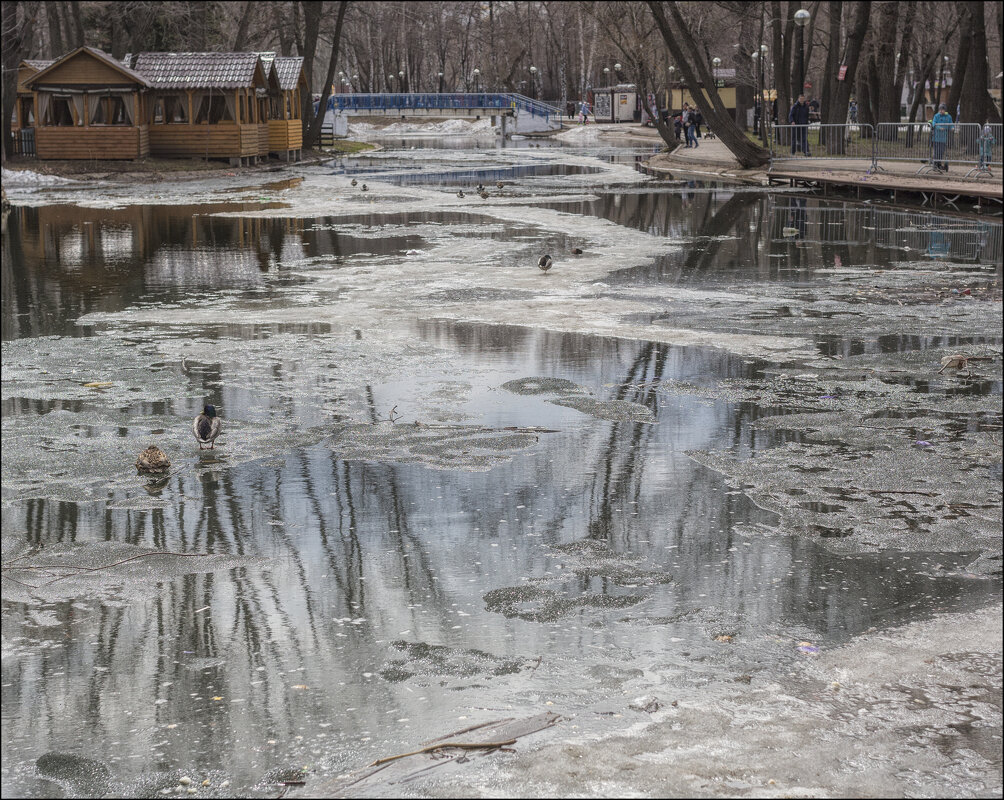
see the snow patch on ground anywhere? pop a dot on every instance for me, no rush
(449, 127)
(26, 179)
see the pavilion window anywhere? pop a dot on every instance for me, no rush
(170, 108)
(27, 112)
(58, 112)
(108, 110)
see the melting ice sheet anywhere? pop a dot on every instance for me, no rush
(451, 488)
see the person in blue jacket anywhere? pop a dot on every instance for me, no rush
(799, 118)
(940, 126)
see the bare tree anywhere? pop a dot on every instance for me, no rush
(313, 133)
(692, 64)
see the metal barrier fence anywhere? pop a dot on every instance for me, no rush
(938, 146)
(934, 147)
(821, 142)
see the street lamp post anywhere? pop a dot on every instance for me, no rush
(606, 76)
(672, 104)
(477, 80)
(758, 97)
(400, 76)
(763, 91)
(533, 82)
(617, 72)
(440, 82)
(801, 20)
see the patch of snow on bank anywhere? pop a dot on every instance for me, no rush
(449, 127)
(26, 179)
(580, 133)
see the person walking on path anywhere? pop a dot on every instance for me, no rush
(940, 126)
(799, 118)
(689, 125)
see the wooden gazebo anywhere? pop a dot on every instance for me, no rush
(285, 128)
(205, 105)
(87, 105)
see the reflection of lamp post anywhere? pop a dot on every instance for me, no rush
(477, 80)
(801, 20)
(533, 82)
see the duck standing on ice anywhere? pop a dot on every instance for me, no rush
(207, 427)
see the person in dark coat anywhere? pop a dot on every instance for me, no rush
(798, 117)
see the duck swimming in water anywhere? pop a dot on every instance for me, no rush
(460, 194)
(545, 263)
(354, 181)
(207, 426)
(500, 184)
(365, 188)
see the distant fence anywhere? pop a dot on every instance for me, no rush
(934, 147)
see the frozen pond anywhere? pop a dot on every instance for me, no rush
(451, 488)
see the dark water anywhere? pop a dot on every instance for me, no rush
(379, 601)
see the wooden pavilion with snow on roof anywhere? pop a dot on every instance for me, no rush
(87, 105)
(205, 105)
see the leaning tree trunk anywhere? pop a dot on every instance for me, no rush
(683, 46)
(314, 131)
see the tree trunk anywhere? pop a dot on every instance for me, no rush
(837, 113)
(310, 31)
(56, 48)
(903, 56)
(240, 41)
(961, 64)
(78, 24)
(977, 105)
(882, 80)
(17, 22)
(832, 68)
(687, 55)
(314, 132)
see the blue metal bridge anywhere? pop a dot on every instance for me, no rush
(443, 104)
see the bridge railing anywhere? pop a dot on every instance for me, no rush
(419, 101)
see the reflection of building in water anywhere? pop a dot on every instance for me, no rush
(61, 261)
(898, 233)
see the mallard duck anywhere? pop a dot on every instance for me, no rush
(207, 426)
(354, 181)
(481, 188)
(545, 263)
(500, 184)
(153, 459)
(461, 194)
(577, 251)
(484, 194)
(365, 188)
